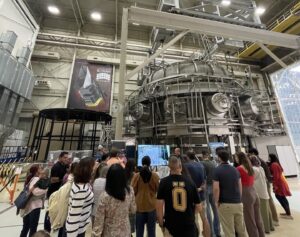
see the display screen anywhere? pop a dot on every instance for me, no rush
(158, 154)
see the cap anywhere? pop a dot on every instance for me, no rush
(100, 147)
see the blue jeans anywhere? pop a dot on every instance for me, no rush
(143, 218)
(210, 204)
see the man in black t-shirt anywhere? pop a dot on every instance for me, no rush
(177, 201)
(58, 172)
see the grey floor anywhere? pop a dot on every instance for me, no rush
(11, 224)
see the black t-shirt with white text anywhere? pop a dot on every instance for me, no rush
(180, 196)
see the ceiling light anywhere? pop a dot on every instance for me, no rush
(53, 10)
(260, 10)
(96, 16)
(225, 3)
(135, 23)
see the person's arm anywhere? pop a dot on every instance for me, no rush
(160, 211)
(198, 208)
(132, 207)
(134, 182)
(216, 192)
(240, 187)
(99, 217)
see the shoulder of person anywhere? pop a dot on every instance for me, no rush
(34, 180)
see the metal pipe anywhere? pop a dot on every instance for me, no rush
(204, 119)
(65, 133)
(49, 140)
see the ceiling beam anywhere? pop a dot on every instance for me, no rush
(272, 55)
(156, 54)
(210, 27)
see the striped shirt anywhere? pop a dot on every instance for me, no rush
(80, 208)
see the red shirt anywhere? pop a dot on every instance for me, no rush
(247, 180)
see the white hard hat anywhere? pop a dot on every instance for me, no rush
(100, 147)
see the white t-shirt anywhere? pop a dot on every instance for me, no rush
(260, 183)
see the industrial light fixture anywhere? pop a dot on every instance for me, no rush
(260, 10)
(53, 10)
(96, 16)
(225, 3)
(135, 23)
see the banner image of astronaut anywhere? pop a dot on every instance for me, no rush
(90, 86)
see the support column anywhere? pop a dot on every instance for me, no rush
(122, 75)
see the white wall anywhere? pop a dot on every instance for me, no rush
(13, 19)
(262, 142)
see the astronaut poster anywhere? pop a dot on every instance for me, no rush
(90, 86)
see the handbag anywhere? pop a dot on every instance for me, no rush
(23, 198)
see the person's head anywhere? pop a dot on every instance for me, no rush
(146, 161)
(113, 152)
(253, 151)
(191, 155)
(243, 160)
(177, 151)
(223, 155)
(34, 169)
(273, 158)
(116, 182)
(84, 169)
(41, 233)
(254, 160)
(175, 164)
(121, 155)
(100, 148)
(219, 149)
(44, 173)
(63, 157)
(73, 167)
(129, 169)
(205, 155)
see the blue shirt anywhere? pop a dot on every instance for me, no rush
(197, 172)
(228, 178)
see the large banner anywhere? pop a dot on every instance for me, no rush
(90, 86)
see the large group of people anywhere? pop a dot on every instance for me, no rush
(231, 196)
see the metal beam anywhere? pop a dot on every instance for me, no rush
(272, 55)
(197, 25)
(122, 74)
(156, 54)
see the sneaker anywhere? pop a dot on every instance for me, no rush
(287, 217)
(275, 223)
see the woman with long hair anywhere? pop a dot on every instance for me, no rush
(261, 188)
(38, 187)
(280, 186)
(250, 199)
(145, 186)
(81, 199)
(115, 204)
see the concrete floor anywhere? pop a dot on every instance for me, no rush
(11, 224)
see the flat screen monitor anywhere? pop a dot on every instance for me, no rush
(158, 154)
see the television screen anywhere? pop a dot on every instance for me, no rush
(158, 154)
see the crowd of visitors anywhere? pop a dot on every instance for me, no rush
(117, 198)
